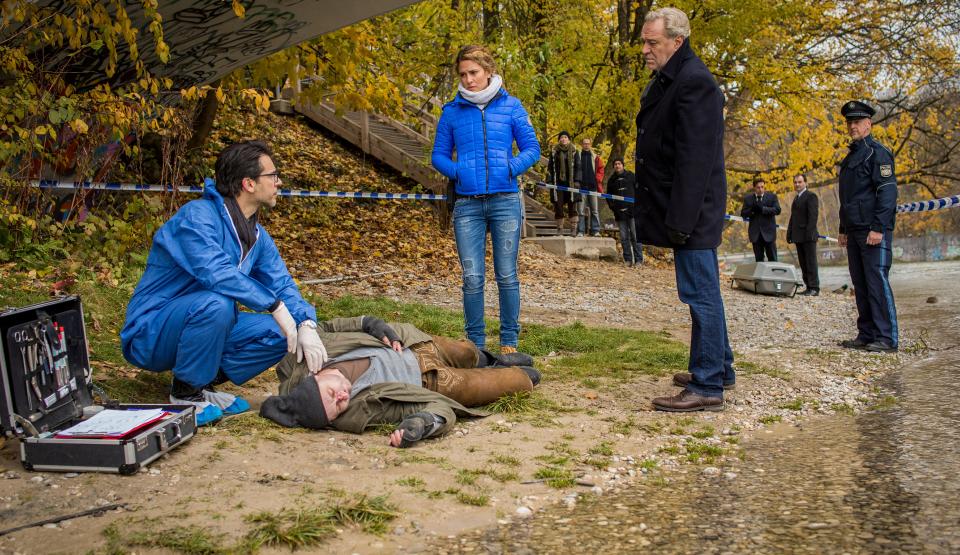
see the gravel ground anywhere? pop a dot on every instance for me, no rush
(484, 472)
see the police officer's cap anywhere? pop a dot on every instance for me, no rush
(857, 110)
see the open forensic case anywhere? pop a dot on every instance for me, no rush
(46, 399)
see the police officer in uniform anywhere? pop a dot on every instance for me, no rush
(868, 205)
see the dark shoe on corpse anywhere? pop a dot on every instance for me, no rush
(507, 359)
(532, 373)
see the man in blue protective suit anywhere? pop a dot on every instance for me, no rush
(868, 209)
(210, 257)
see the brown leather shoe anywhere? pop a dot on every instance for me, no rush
(688, 401)
(683, 379)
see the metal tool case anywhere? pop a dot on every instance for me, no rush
(768, 278)
(45, 383)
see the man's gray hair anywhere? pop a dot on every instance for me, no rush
(675, 22)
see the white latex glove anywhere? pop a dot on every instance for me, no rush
(288, 326)
(310, 347)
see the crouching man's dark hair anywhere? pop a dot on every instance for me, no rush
(236, 162)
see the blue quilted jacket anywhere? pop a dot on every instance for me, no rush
(483, 140)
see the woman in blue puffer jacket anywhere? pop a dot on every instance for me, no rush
(481, 124)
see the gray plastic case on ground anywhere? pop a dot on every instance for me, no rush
(22, 415)
(768, 278)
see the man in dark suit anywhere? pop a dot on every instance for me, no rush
(682, 197)
(762, 208)
(802, 231)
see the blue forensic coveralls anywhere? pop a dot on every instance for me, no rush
(868, 202)
(183, 315)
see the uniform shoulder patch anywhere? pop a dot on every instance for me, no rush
(886, 170)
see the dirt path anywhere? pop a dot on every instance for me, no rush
(475, 476)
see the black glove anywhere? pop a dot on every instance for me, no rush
(417, 426)
(380, 329)
(677, 237)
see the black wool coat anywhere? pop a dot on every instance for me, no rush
(621, 184)
(681, 182)
(804, 213)
(762, 215)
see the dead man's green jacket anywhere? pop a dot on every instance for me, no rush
(382, 403)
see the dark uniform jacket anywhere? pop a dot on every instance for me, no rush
(763, 221)
(868, 188)
(621, 184)
(681, 182)
(804, 213)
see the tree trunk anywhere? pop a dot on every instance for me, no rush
(491, 23)
(628, 68)
(203, 122)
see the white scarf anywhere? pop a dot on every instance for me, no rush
(482, 98)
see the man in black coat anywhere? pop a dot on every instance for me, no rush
(682, 197)
(802, 231)
(762, 207)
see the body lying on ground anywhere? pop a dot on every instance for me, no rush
(417, 381)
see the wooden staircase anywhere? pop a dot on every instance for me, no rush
(407, 150)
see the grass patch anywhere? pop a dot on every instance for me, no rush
(478, 500)
(383, 429)
(432, 320)
(748, 368)
(526, 402)
(886, 402)
(564, 449)
(554, 460)
(648, 465)
(701, 452)
(411, 481)
(770, 419)
(623, 427)
(191, 540)
(411, 457)
(304, 527)
(505, 460)
(250, 424)
(597, 353)
(467, 477)
(597, 463)
(704, 433)
(670, 449)
(842, 408)
(555, 477)
(604, 448)
(796, 404)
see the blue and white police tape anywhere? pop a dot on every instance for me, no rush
(543, 185)
(927, 205)
(198, 189)
(731, 217)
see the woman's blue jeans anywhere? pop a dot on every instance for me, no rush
(501, 215)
